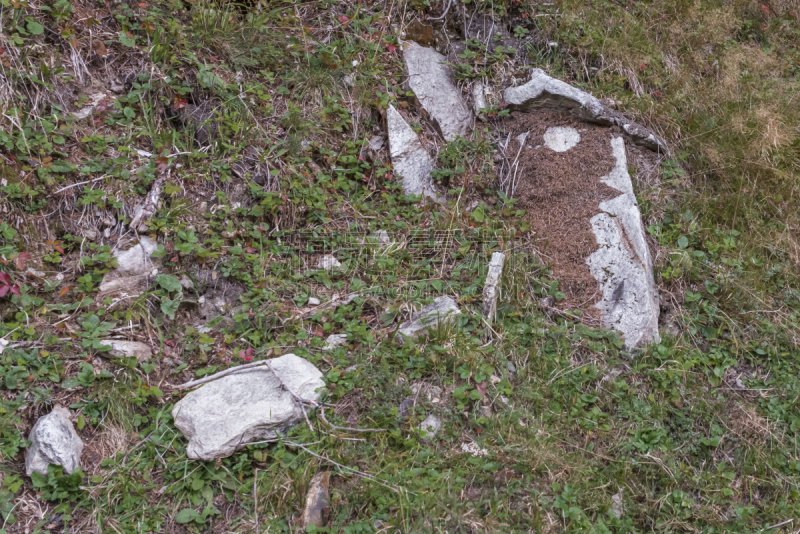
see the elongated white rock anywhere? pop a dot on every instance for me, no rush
(490, 290)
(429, 79)
(542, 91)
(622, 263)
(441, 310)
(409, 158)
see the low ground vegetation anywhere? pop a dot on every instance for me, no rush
(258, 121)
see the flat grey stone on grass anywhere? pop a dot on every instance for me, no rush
(53, 441)
(135, 268)
(442, 310)
(128, 349)
(251, 405)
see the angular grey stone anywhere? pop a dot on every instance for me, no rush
(544, 92)
(429, 79)
(334, 340)
(328, 262)
(430, 426)
(128, 349)
(622, 263)
(314, 301)
(490, 291)
(135, 268)
(409, 158)
(53, 441)
(250, 405)
(441, 310)
(478, 99)
(318, 501)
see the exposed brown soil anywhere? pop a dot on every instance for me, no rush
(561, 192)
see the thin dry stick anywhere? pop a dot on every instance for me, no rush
(215, 376)
(449, 3)
(348, 429)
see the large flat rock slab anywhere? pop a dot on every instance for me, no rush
(251, 405)
(430, 80)
(572, 178)
(622, 263)
(545, 92)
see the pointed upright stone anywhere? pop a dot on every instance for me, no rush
(409, 158)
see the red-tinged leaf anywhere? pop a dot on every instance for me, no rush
(180, 102)
(4, 290)
(142, 5)
(248, 358)
(15, 289)
(64, 291)
(343, 19)
(390, 47)
(249, 250)
(174, 260)
(20, 260)
(5, 279)
(765, 9)
(249, 351)
(481, 388)
(170, 343)
(479, 431)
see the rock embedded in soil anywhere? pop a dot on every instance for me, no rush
(318, 501)
(134, 271)
(622, 263)
(253, 404)
(409, 158)
(544, 92)
(334, 340)
(429, 78)
(490, 288)
(128, 349)
(53, 441)
(441, 311)
(430, 425)
(328, 262)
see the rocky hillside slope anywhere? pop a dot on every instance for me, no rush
(505, 266)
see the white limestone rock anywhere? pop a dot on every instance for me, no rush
(226, 414)
(490, 288)
(409, 158)
(622, 263)
(53, 441)
(429, 79)
(328, 262)
(430, 426)
(561, 138)
(128, 349)
(544, 92)
(334, 340)
(134, 271)
(442, 310)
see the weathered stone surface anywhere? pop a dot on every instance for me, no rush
(490, 288)
(441, 310)
(622, 263)
(561, 138)
(314, 301)
(328, 262)
(53, 441)
(429, 79)
(542, 91)
(318, 501)
(430, 426)
(128, 349)
(134, 271)
(409, 158)
(250, 405)
(478, 99)
(334, 340)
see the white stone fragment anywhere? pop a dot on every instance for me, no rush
(128, 349)
(53, 441)
(251, 405)
(561, 138)
(328, 262)
(409, 158)
(135, 267)
(429, 79)
(622, 263)
(334, 340)
(442, 310)
(490, 288)
(430, 426)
